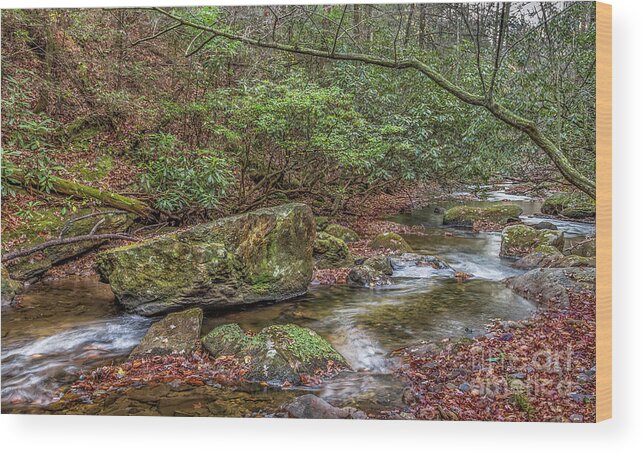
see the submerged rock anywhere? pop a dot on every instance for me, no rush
(551, 285)
(403, 261)
(10, 287)
(343, 233)
(521, 240)
(176, 334)
(545, 225)
(570, 204)
(465, 216)
(263, 255)
(330, 252)
(310, 406)
(277, 354)
(390, 241)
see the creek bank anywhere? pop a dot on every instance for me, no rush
(498, 376)
(263, 255)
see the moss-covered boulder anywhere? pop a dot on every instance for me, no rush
(321, 222)
(570, 204)
(331, 252)
(343, 233)
(520, 240)
(47, 224)
(263, 255)
(277, 354)
(465, 216)
(176, 334)
(390, 241)
(10, 287)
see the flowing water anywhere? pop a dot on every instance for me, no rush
(60, 329)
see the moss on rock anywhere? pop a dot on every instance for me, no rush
(330, 251)
(390, 241)
(277, 353)
(264, 255)
(343, 233)
(570, 204)
(465, 216)
(520, 240)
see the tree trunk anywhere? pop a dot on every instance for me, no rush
(82, 191)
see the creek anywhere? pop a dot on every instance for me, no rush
(64, 327)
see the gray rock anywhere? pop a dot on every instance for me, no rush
(545, 225)
(176, 334)
(551, 285)
(310, 406)
(365, 276)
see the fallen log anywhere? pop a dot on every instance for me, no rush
(79, 190)
(60, 241)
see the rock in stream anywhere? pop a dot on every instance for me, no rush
(263, 255)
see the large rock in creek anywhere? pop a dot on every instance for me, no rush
(551, 285)
(521, 240)
(264, 255)
(310, 406)
(48, 224)
(465, 216)
(570, 205)
(176, 334)
(277, 354)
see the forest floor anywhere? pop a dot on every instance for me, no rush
(540, 369)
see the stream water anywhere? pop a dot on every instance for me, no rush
(62, 328)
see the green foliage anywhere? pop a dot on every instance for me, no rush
(180, 178)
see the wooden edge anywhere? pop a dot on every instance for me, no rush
(603, 211)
